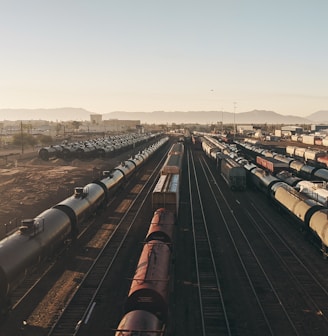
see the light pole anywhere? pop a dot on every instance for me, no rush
(234, 119)
(22, 136)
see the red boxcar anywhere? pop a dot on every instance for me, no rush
(271, 164)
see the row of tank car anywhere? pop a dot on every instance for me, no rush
(311, 215)
(38, 238)
(93, 148)
(317, 157)
(282, 166)
(302, 168)
(222, 153)
(147, 306)
(167, 190)
(310, 139)
(305, 201)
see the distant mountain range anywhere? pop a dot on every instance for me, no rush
(162, 117)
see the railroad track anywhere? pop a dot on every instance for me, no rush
(268, 260)
(38, 301)
(80, 306)
(311, 290)
(214, 319)
(269, 304)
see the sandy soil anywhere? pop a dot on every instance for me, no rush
(29, 185)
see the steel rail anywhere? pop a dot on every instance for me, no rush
(82, 302)
(308, 284)
(249, 261)
(212, 306)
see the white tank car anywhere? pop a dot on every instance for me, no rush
(315, 190)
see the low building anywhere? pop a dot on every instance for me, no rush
(116, 125)
(291, 130)
(244, 129)
(318, 128)
(96, 118)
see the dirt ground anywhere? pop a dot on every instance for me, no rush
(29, 185)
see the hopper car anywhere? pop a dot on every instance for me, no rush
(37, 238)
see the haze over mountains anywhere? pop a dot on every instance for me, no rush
(162, 117)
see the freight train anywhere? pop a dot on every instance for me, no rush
(38, 238)
(314, 156)
(308, 206)
(167, 190)
(311, 216)
(231, 171)
(93, 148)
(300, 168)
(146, 308)
(305, 201)
(147, 305)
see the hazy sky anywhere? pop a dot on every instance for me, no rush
(172, 55)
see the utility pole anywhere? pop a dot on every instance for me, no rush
(234, 118)
(22, 137)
